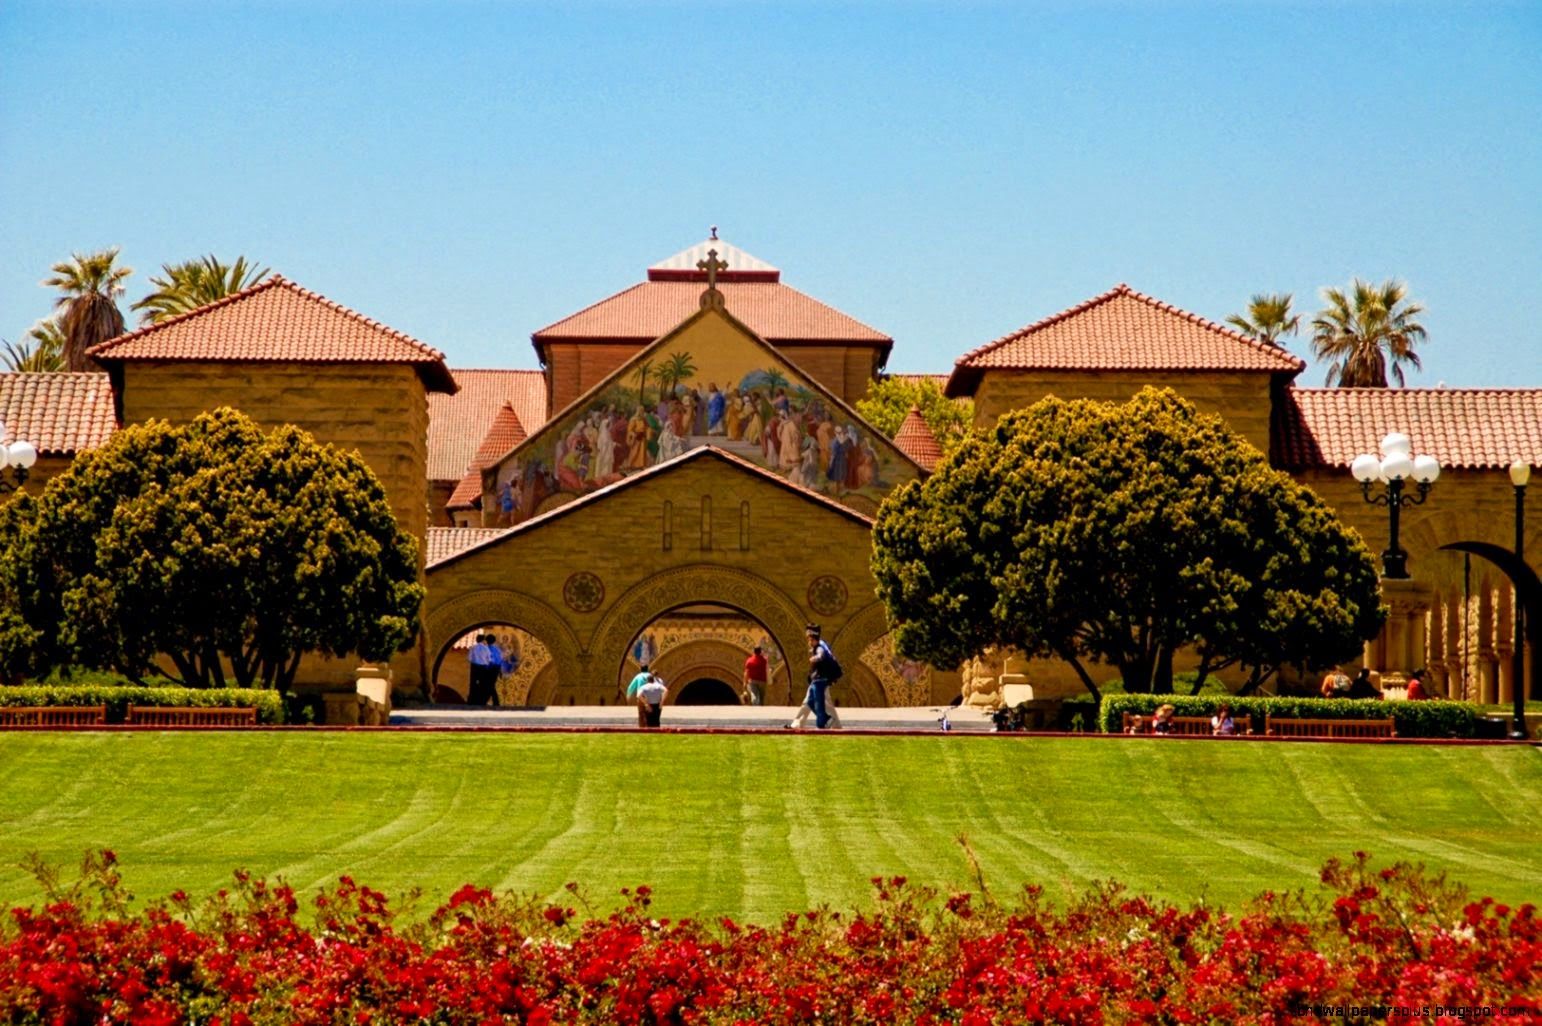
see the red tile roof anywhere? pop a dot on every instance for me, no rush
(1122, 330)
(277, 320)
(61, 414)
(444, 542)
(506, 432)
(776, 312)
(916, 440)
(458, 423)
(1461, 427)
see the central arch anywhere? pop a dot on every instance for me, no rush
(741, 590)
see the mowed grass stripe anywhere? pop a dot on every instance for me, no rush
(753, 826)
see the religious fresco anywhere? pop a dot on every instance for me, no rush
(681, 397)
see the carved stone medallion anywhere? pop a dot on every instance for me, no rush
(827, 595)
(583, 592)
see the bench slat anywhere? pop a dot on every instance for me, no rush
(52, 715)
(191, 716)
(1290, 726)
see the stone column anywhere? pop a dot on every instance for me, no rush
(1456, 672)
(1503, 645)
(1487, 689)
(1439, 682)
(1399, 649)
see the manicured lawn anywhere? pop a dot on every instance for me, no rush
(754, 826)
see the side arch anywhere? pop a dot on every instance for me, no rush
(450, 619)
(641, 604)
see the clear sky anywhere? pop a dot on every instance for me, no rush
(468, 173)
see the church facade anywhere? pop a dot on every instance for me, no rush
(687, 476)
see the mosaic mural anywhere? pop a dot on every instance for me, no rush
(673, 403)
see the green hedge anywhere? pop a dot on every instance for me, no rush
(1412, 719)
(117, 699)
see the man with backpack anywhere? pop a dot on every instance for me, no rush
(823, 670)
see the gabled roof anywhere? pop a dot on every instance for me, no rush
(1469, 428)
(505, 433)
(741, 266)
(700, 311)
(915, 439)
(444, 542)
(458, 423)
(277, 321)
(703, 452)
(60, 413)
(1122, 330)
(777, 313)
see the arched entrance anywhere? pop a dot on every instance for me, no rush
(699, 649)
(524, 661)
(708, 691)
(526, 628)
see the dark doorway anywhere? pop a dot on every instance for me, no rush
(707, 691)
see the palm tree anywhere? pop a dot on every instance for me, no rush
(642, 383)
(195, 283)
(44, 354)
(1360, 333)
(678, 368)
(88, 310)
(1268, 318)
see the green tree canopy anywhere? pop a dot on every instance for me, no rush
(1120, 533)
(195, 283)
(90, 284)
(1361, 332)
(891, 398)
(218, 544)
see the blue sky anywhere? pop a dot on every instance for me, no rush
(468, 173)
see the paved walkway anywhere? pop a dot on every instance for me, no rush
(692, 717)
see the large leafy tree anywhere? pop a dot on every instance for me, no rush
(228, 549)
(43, 352)
(90, 285)
(195, 283)
(1363, 332)
(1120, 533)
(890, 399)
(1269, 318)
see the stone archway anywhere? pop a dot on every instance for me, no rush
(862, 641)
(447, 622)
(740, 590)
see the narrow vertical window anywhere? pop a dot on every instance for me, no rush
(706, 523)
(744, 526)
(669, 525)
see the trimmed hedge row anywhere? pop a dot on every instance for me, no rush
(1413, 719)
(117, 698)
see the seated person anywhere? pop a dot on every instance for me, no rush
(1334, 685)
(1162, 722)
(1362, 687)
(1222, 724)
(1416, 692)
(1137, 725)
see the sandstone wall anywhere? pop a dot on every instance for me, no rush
(587, 580)
(1242, 398)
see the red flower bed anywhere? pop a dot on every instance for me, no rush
(1377, 944)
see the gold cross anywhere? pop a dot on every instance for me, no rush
(711, 265)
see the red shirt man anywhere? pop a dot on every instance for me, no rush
(755, 677)
(1416, 692)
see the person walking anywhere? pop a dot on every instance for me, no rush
(823, 671)
(651, 696)
(755, 677)
(634, 694)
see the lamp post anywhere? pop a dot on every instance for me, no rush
(1391, 470)
(1520, 473)
(19, 457)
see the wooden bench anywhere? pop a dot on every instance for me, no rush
(1188, 725)
(52, 715)
(190, 716)
(1290, 726)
